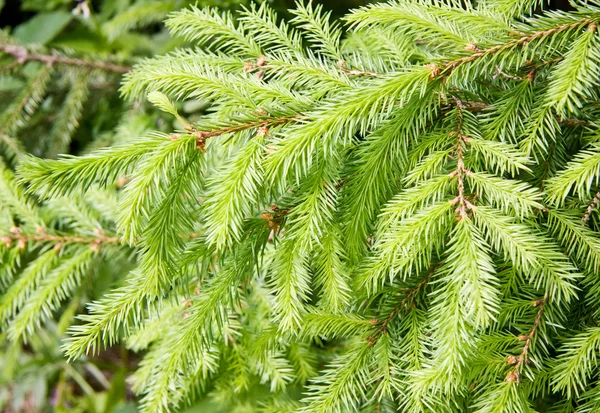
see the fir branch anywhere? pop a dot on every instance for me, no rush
(121, 309)
(457, 323)
(209, 26)
(270, 34)
(532, 254)
(15, 297)
(460, 172)
(378, 160)
(434, 24)
(150, 184)
(354, 72)
(581, 243)
(504, 397)
(578, 176)
(325, 35)
(71, 175)
(195, 339)
(514, 8)
(290, 285)
(331, 272)
(570, 81)
(330, 326)
(15, 203)
(137, 16)
(407, 247)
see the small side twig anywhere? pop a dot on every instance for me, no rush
(593, 205)
(500, 72)
(263, 126)
(354, 72)
(404, 305)
(515, 373)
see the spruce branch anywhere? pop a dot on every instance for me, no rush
(500, 72)
(579, 241)
(121, 309)
(60, 284)
(15, 297)
(318, 28)
(68, 118)
(448, 67)
(570, 80)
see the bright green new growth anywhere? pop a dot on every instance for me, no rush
(402, 218)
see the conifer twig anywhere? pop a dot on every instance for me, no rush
(263, 125)
(460, 172)
(515, 373)
(500, 72)
(353, 72)
(593, 205)
(404, 304)
(22, 55)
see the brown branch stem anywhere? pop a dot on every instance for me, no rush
(263, 126)
(593, 205)
(523, 358)
(22, 239)
(404, 304)
(450, 66)
(460, 172)
(22, 55)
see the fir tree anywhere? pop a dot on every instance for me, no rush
(398, 214)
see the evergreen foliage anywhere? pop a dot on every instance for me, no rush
(399, 218)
